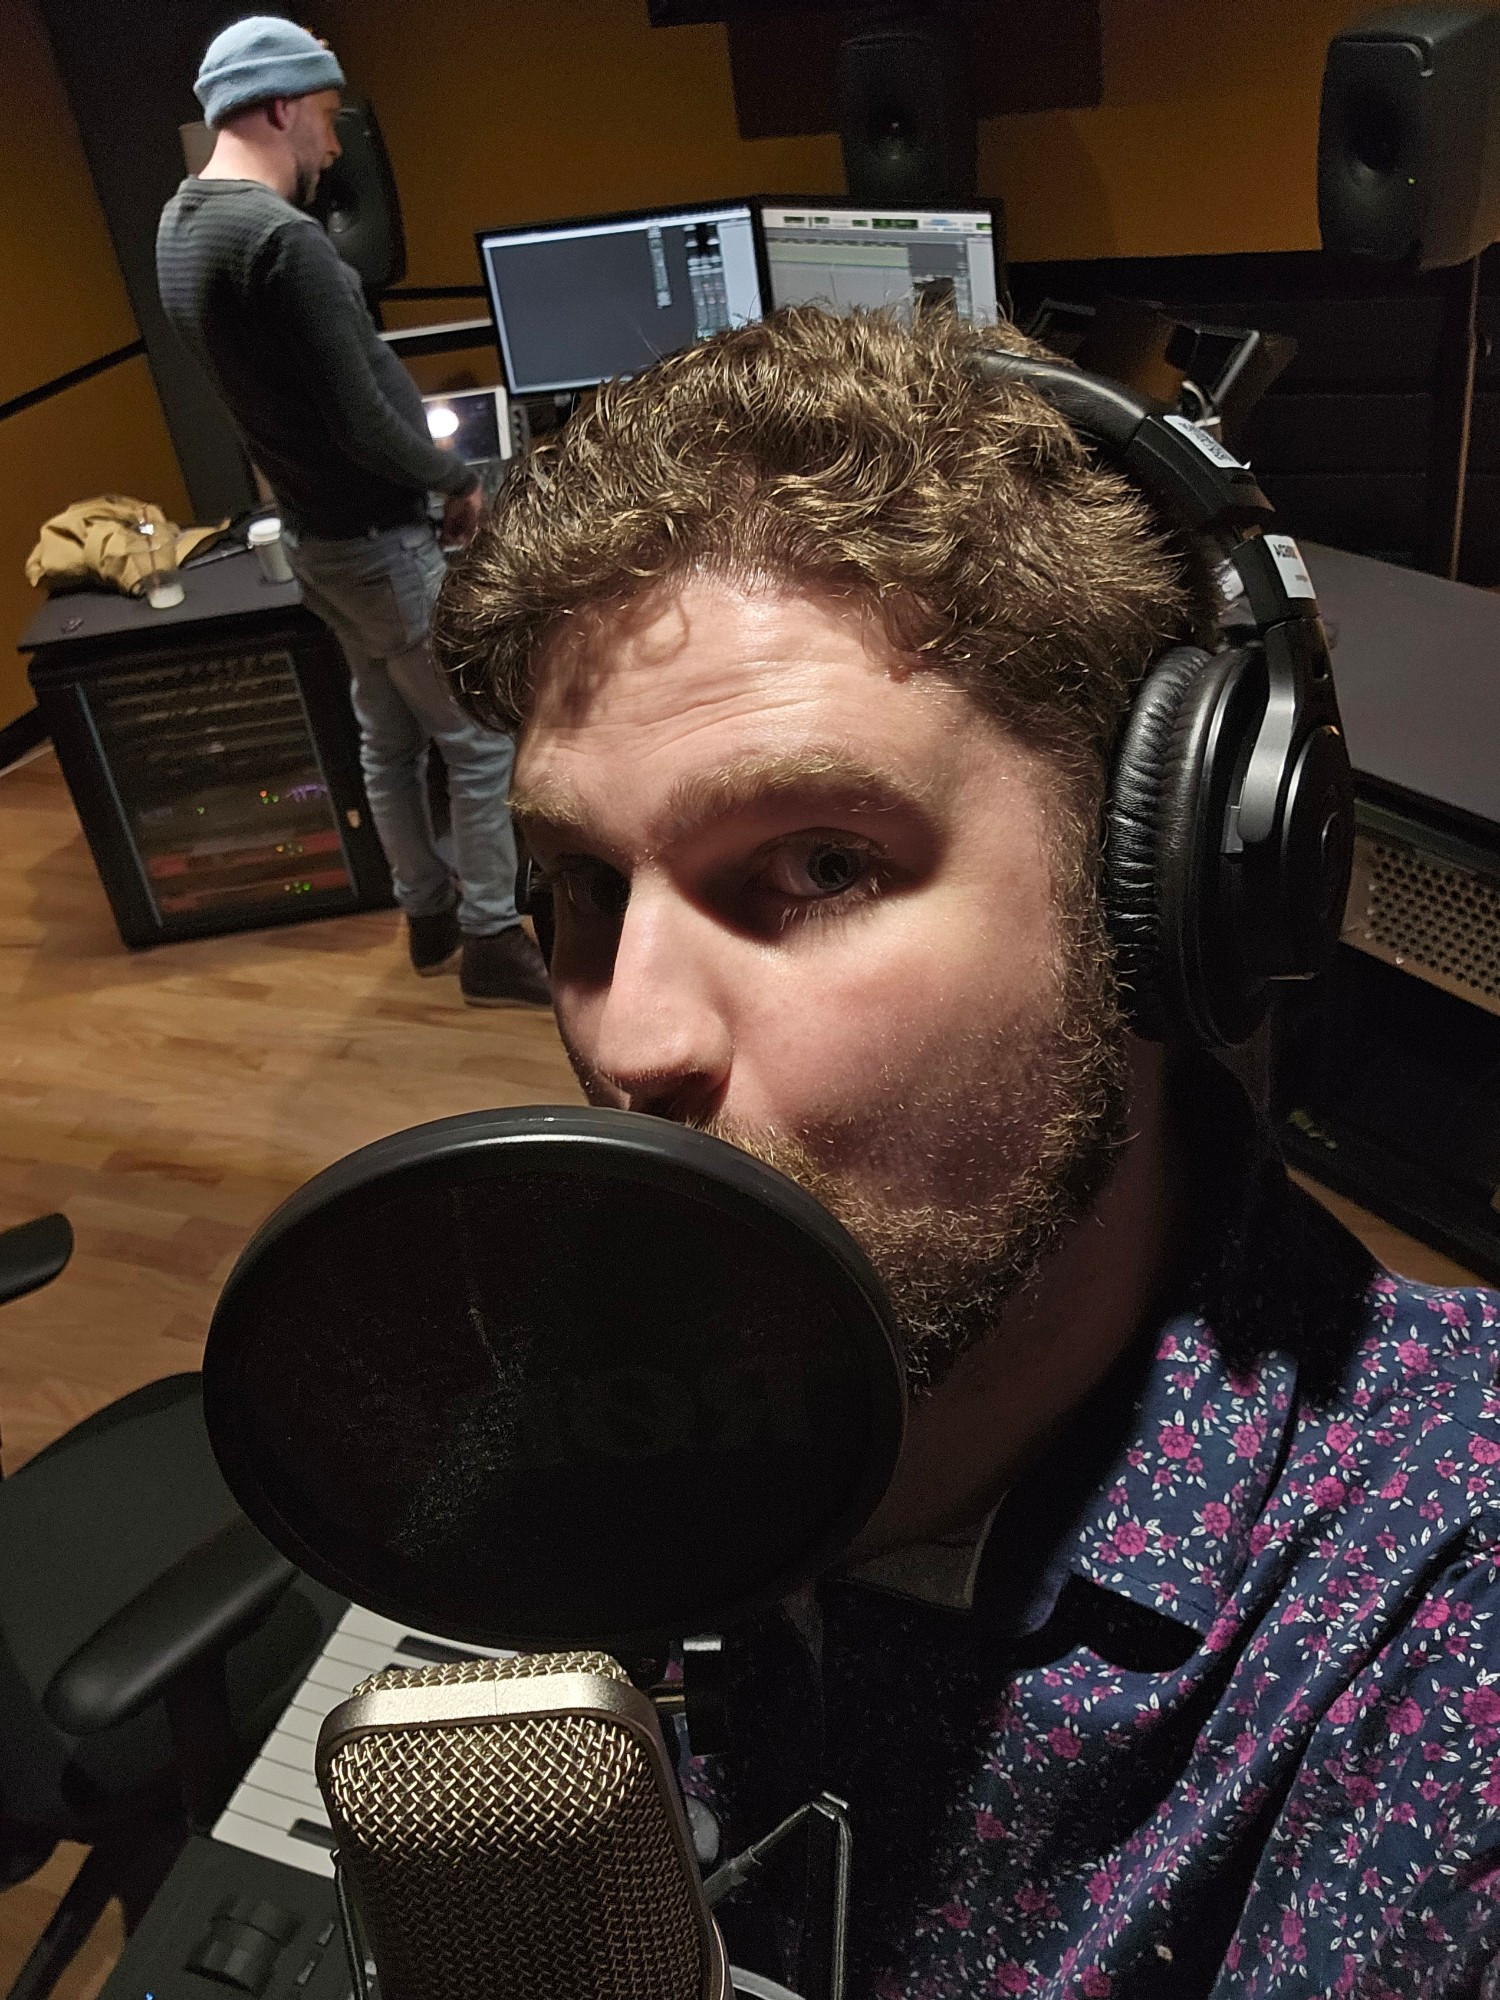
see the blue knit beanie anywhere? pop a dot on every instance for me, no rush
(262, 57)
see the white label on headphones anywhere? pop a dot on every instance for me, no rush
(1206, 442)
(1292, 570)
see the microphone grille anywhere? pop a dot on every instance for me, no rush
(520, 1854)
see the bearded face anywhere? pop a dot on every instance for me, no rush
(812, 901)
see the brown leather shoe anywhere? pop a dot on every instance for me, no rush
(502, 970)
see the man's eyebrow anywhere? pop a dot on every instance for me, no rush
(759, 780)
(751, 781)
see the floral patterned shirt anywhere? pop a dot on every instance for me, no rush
(1224, 1717)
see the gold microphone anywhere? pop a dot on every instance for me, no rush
(512, 1830)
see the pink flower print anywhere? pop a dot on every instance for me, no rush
(1244, 1746)
(956, 1916)
(1413, 1356)
(1011, 1979)
(1360, 1791)
(1100, 1888)
(1174, 1441)
(1394, 1487)
(1030, 1898)
(1484, 1451)
(1489, 1795)
(1063, 1742)
(1245, 1439)
(1260, 1535)
(1129, 1538)
(1340, 1436)
(1217, 1518)
(987, 1827)
(1096, 1985)
(1481, 1704)
(1406, 1718)
(1220, 1633)
(1328, 1491)
(1343, 1709)
(1291, 1927)
(1451, 1311)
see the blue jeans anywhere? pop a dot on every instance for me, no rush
(376, 593)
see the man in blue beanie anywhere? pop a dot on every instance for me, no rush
(336, 425)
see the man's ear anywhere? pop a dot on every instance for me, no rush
(279, 112)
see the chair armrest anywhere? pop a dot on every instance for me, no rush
(195, 1611)
(32, 1254)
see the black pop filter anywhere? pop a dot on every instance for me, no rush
(540, 1376)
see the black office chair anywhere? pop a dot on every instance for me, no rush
(149, 1638)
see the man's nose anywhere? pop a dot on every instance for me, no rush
(664, 1040)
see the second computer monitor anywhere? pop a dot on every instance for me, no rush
(843, 254)
(578, 302)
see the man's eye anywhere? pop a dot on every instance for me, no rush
(818, 870)
(592, 889)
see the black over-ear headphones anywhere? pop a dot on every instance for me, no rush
(1229, 827)
(1230, 820)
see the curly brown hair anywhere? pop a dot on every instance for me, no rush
(855, 454)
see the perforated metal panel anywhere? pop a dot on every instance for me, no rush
(1427, 913)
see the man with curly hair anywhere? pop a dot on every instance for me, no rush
(1157, 1670)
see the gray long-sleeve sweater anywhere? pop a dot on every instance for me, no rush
(329, 414)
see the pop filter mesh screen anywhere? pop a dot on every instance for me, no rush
(545, 1407)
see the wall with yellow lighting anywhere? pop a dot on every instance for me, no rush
(1206, 139)
(62, 303)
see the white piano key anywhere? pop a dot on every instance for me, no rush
(299, 1788)
(365, 1654)
(302, 1724)
(270, 1841)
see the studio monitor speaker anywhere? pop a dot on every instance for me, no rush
(358, 205)
(906, 115)
(1409, 137)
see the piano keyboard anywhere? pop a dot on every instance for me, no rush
(277, 1809)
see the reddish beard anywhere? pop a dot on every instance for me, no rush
(958, 1174)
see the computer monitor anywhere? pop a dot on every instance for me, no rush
(842, 254)
(474, 424)
(578, 302)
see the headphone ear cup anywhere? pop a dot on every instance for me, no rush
(1165, 896)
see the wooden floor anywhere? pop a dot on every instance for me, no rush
(167, 1100)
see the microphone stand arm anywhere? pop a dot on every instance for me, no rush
(827, 1821)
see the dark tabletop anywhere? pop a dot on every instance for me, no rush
(225, 587)
(1417, 663)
